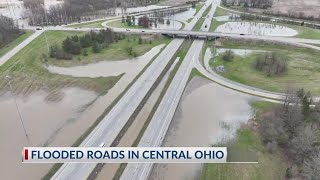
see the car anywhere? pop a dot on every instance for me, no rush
(241, 34)
(127, 29)
(205, 26)
(142, 31)
(38, 28)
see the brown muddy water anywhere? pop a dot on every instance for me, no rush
(108, 68)
(43, 121)
(207, 114)
(58, 123)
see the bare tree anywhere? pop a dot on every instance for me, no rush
(311, 168)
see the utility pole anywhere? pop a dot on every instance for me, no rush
(8, 78)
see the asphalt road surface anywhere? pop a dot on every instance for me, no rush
(160, 122)
(112, 124)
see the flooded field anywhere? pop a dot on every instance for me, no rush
(47, 124)
(183, 16)
(254, 28)
(140, 9)
(238, 52)
(212, 113)
(109, 68)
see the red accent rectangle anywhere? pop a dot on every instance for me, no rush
(26, 157)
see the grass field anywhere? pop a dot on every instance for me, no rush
(29, 75)
(96, 24)
(116, 51)
(247, 142)
(198, 25)
(305, 32)
(303, 68)
(198, 7)
(120, 24)
(220, 12)
(16, 42)
(270, 166)
(215, 24)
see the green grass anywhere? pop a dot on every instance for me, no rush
(206, 12)
(29, 75)
(15, 43)
(95, 24)
(198, 25)
(116, 51)
(120, 24)
(220, 12)
(305, 32)
(198, 7)
(270, 166)
(215, 24)
(181, 53)
(303, 68)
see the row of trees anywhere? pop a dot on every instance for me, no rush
(8, 30)
(249, 3)
(72, 10)
(272, 63)
(75, 45)
(294, 128)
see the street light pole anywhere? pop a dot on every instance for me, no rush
(8, 78)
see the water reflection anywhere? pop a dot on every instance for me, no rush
(207, 114)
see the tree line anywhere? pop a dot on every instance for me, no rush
(76, 45)
(73, 10)
(263, 4)
(272, 63)
(293, 128)
(8, 30)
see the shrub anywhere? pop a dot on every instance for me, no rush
(228, 56)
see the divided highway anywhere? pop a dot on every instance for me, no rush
(111, 125)
(160, 122)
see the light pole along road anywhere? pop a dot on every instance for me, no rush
(158, 127)
(111, 125)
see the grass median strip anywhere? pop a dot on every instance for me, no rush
(181, 53)
(94, 24)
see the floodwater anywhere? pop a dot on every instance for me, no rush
(254, 28)
(238, 52)
(47, 124)
(140, 9)
(208, 114)
(183, 16)
(48, 3)
(108, 68)
(174, 25)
